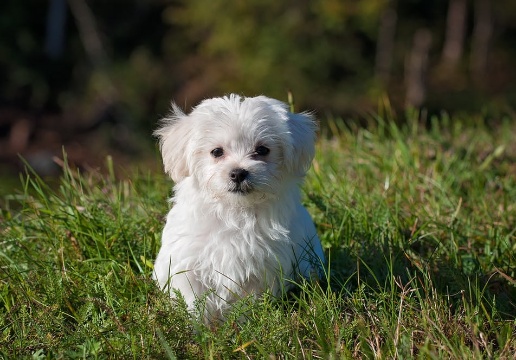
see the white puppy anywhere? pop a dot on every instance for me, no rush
(237, 226)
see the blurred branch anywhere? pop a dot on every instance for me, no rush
(92, 43)
(88, 32)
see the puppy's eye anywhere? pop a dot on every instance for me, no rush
(217, 152)
(262, 150)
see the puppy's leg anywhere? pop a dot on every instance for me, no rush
(188, 286)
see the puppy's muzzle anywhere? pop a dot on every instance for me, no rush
(239, 181)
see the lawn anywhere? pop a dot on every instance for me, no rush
(418, 222)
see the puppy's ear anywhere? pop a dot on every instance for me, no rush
(174, 137)
(300, 144)
(302, 128)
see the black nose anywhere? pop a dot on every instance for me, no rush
(238, 175)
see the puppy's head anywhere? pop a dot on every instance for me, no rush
(237, 149)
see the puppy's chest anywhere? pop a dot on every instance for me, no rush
(248, 234)
(245, 239)
(238, 256)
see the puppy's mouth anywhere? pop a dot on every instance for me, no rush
(243, 188)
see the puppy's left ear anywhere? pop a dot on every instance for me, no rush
(302, 128)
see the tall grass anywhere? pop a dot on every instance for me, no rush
(419, 224)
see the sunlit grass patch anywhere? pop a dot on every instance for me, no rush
(418, 223)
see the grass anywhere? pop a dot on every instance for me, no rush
(419, 224)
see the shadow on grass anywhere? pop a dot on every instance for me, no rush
(381, 267)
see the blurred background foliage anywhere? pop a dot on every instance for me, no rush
(91, 73)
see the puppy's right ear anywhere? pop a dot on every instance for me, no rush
(174, 137)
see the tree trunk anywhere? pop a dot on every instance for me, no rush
(455, 33)
(482, 33)
(385, 45)
(416, 67)
(56, 29)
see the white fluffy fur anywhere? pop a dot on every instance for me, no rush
(224, 244)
